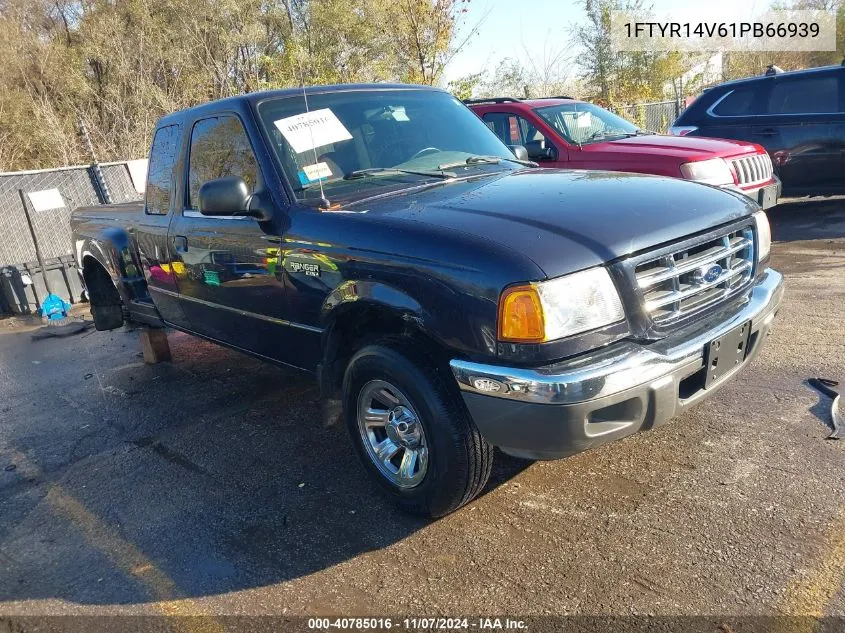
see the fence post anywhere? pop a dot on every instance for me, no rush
(105, 194)
(35, 243)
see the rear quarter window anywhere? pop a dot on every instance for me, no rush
(737, 102)
(810, 95)
(160, 175)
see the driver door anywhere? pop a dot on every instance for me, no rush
(231, 288)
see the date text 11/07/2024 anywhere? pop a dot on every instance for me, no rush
(418, 624)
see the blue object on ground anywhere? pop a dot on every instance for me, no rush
(54, 307)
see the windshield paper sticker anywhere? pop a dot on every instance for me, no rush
(584, 119)
(310, 130)
(318, 171)
(399, 113)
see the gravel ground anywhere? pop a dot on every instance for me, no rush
(209, 486)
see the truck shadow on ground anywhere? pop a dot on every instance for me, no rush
(122, 483)
(215, 470)
(800, 219)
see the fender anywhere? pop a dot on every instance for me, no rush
(112, 249)
(348, 297)
(353, 293)
(90, 248)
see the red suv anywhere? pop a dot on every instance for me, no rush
(564, 132)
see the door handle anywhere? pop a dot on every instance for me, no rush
(769, 131)
(180, 243)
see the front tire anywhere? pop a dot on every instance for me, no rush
(411, 429)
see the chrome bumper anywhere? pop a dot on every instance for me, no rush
(571, 406)
(618, 367)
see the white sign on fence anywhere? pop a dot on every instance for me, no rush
(46, 200)
(138, 173)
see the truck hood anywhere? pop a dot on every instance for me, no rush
(685, 148)
(568, 220)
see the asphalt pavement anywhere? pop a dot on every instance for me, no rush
(209, 486)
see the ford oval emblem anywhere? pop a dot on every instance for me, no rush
(709, 274)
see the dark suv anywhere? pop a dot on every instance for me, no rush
(799, 117)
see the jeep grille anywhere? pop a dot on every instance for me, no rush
(753, 170)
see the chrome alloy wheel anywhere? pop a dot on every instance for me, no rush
(392, 434)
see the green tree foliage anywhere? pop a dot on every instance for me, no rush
(746, 64)
(120, 65)
(464, 87)
(617, 78)
(543, 76)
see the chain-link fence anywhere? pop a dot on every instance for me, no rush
(656, 117)
(47, 197)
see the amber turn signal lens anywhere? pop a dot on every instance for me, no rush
(521, 316)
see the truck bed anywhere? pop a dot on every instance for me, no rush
(90, 225)
(103, 215)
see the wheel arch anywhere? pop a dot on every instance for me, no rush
(360, 312)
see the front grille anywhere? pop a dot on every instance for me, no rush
(681, 283)
(753, 170)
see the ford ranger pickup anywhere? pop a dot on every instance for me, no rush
(449, 296)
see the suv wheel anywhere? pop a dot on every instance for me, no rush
(411, 430)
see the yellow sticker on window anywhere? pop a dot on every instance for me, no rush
(317, 171)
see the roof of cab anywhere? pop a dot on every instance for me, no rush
(253, 98)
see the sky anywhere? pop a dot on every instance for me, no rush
(538, 29)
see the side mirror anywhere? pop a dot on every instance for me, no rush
(227, 197)
(537, 150)
(519, 151)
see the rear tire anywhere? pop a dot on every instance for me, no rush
(107, 317)
(419, 411)
(106, 305)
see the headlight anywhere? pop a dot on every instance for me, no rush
(549, 310)
(711, 172)
(764, 235)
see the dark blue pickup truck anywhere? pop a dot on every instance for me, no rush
(450, 297)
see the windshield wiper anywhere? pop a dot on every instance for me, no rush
(487, 160)
(610, 135)
(374, 171)
(637, 133)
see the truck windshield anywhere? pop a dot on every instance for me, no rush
(583, 123)
(357, 143)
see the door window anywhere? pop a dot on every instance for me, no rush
(804, 96)
(160, 175)
(219, 148)
(528, 132)
(505, 126)
(513, 129)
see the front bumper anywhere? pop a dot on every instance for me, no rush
(766, 195)
(562, 409)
